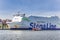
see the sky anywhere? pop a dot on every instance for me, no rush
(30, 7)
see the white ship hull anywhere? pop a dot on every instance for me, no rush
(42, 23)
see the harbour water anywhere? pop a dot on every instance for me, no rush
(29, 35)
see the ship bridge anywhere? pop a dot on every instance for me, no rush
(18, 17)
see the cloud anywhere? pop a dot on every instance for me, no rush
(30, 7)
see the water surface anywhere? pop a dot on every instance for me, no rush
(29, 35)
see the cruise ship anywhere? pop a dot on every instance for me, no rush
(21, 22)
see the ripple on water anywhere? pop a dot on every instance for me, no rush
(29, 35)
